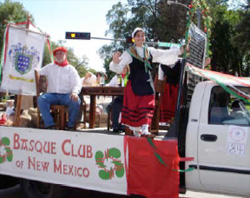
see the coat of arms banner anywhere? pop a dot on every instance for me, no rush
(23, 54)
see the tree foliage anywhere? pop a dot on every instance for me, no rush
(11, 11)
(80, 65)
(160, 21)
(242, 38)
(229, 39)
(164, 22)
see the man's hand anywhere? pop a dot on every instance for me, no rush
(74, 97)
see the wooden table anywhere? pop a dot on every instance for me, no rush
(99, 91)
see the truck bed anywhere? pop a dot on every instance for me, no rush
(103, 130)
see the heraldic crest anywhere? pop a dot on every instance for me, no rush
(22, 58)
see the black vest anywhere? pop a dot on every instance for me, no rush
(173, 75)
(141, 79)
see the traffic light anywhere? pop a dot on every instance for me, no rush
(78, 35)
(129, 40)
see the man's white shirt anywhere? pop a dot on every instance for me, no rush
(63, 80)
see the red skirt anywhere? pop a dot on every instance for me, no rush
(137, 110)
(168, 102)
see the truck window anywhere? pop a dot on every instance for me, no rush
(224, 109)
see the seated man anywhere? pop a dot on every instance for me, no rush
(64, 85)
(118, 80)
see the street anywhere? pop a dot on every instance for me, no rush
(15, 192)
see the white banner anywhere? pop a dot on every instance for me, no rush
(24, 54)
(84, 160)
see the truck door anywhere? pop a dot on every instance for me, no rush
(223, 145)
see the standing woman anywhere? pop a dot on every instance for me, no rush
(139, 94)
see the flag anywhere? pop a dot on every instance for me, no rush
(22, 54)
(152, 168)
(220, 79)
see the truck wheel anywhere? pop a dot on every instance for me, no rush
(35, 189)
(7, 181)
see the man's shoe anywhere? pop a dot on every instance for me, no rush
(71, 129)
(51, 127)
(116, 130)
(122, 128)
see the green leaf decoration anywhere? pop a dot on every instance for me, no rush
(120, 173)
(104, 175)
(5, 141)
(117, 163)
(10, 158)
(99, 155)
(114, 152)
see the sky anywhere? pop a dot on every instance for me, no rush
(55, 17)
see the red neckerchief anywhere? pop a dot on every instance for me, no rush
(63, 64)
(123, 75)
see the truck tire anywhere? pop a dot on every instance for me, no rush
(35, 189)
(8, 181)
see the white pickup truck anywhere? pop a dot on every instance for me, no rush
(218, 141)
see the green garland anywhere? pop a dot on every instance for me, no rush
(205, 11)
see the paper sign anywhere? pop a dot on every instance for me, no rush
(237, 140)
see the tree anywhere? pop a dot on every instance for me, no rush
(163, 22)
(11, 11)
(160, 21)
(80, 65)
(221, 46)
(229, 41)
(242, 37)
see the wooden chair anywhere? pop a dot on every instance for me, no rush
(109, 122)
(159, 88)
(109, 119)
(59, 111)
(83, 111)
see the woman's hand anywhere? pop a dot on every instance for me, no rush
(184, 47)
(116, 57)
(207, 61)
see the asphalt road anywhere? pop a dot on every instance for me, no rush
(15, 192)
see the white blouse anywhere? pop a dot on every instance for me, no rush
(166, 57)
(114, 82)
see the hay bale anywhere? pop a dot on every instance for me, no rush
(33, 113)
(25, 119)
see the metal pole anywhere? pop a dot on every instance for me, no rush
(151, 43)
(198, 12)
(178, 105)
(108, 39)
